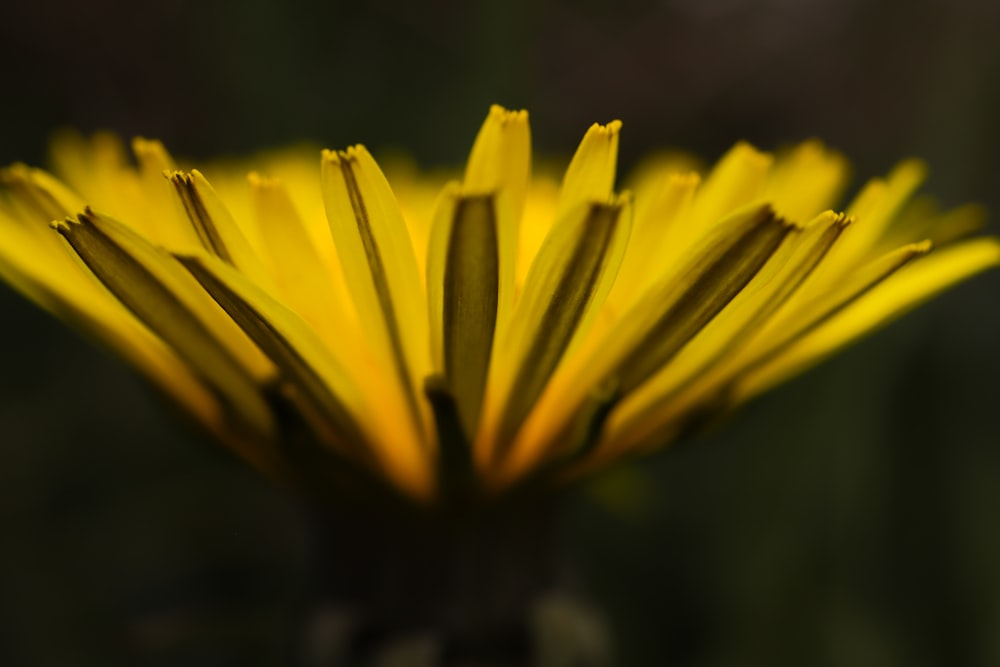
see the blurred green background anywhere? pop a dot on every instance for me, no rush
(848, 518)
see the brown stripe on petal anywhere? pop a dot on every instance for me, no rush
(319, 406)
(471, 289)
(569, 300)
(165, 313)
(199, 216)
(729, 269)
(789, 279)
(810, 321)
(806, 266)
(380, 279)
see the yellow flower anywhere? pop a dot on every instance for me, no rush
(328, 332)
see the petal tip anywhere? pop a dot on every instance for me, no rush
(348, 155)
(504, 115)
(607, 130)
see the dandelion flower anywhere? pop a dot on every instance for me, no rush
(499, 329)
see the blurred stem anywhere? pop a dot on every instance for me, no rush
(457, 585)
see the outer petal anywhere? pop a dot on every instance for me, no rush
(157, 290)
(38, 266)
(907, 289)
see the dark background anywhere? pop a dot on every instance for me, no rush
(848, 518)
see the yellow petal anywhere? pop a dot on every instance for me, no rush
(500, 166)
(590, 176)
(324, 393)
(303, 280)
(463, 291)
(45, 273)
(163, 296)
(500, 160)
(724, 336)
(802, 314)
(437, 259)
(713, 282)
(661, 323)
(91, 166)
(381, 272)
(873, 211)
(905, 290)
(656, 246)
(535, 224)
(37, 195)
(470, 277)
(736, 181)
(163, 223)
(794, 321)
(219, 232)
(922, 218)
(566, 286)
(807, 179)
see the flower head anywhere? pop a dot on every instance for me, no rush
(327, 331)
